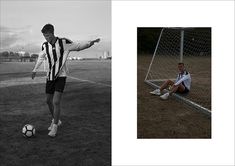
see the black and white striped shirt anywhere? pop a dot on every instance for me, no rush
(56, 55)
(184, 78)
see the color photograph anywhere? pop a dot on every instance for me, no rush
(174, 82)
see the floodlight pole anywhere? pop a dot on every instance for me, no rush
(181, 45)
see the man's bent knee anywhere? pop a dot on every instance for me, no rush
(170, 82)
(56, 102)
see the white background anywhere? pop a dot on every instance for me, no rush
(126, 148)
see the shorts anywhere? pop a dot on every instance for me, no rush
(186, 90)
(56, 85)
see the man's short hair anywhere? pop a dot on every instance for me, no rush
(48, 28)
(181, 63)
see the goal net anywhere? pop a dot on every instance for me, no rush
(192, 46)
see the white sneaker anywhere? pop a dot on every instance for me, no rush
(53, 131)
(165, 96)
(156, 92)
(52, 122)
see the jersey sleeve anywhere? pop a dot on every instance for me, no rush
(41, 57)
(79, 46)
(75, 46)
(66, 43)
(177, 78)
(185, 77)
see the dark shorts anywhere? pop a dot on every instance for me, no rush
(185, 90)
(56, 85)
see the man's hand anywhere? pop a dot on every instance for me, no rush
(33, 75)
(95, 41)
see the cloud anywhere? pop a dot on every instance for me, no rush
(5, 29)
(10, 37)
(22, 39)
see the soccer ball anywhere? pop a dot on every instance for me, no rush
(28, 131)
(170, 87)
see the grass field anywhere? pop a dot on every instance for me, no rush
(167, 119)
(85, 135)
(165, 67)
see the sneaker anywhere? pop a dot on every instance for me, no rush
(52, 122)
(156, 92)
(53, 131)
(165, 96)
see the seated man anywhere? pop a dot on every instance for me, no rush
(181, 85)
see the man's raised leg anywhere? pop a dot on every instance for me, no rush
(175, 88)
(179, 88)
(158, 92)
(166, 84)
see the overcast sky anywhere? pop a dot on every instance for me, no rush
(22, 21)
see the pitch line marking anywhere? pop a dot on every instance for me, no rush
(93, 82)
(22, 81)
(39, 79)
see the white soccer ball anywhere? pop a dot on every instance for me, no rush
(170, 87)
(28, 131)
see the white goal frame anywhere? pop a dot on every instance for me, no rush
(179, 97)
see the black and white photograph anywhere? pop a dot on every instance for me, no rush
(174, 82)
(55, 83)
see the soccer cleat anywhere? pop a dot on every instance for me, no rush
(156, 92)
(165, 96)
(53, 131)
(52, 122)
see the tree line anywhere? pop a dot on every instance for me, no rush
(16, 56)
(147, 38)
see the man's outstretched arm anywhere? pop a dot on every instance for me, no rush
(82, 46)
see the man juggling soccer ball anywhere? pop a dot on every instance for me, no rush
(181, 85)
(56, 51)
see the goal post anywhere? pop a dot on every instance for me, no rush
(192, 46)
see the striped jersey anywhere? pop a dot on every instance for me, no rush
(56, 55)
(184, 78)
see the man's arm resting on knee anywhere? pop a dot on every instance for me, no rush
(182, 79)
